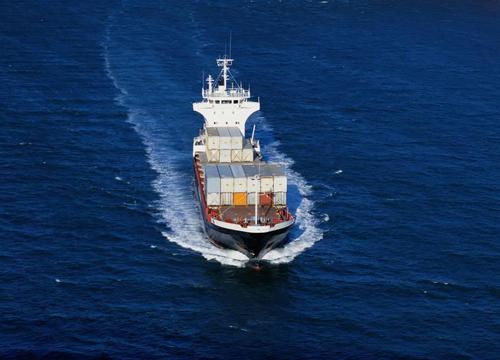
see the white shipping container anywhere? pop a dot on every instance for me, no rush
(226, 179)
(203, 157)
(212, 138)
(251, 198)
(279, 198)
(236, 138)
(247, 153)
(224, 138)
(212, 179)
(266, 184)
(266, 179)
(280, 181)
(280, 184)
(236, 155)
(213, 199)
(226, 198)
(239, 178)
(225, 156)
(253, 184)
(213, 155)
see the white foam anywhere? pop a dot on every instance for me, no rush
(338, 172)
(306, 222)
(177, 207)
(238, 328)
(117, 178)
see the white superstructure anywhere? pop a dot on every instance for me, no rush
(225, 102)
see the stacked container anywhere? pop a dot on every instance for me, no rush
(226, 184)
(279, 184)
(212, 185)
(203, 157)
(237, 185)
(253, 184)
(240, 185)
(247, 152)
(236, 138)
(227, 144)
(233, 184)
(212, 141)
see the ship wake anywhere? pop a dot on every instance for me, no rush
(177, 208)
(306, 231)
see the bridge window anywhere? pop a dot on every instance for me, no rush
(217, 101)
(226, 101)
(235, 101)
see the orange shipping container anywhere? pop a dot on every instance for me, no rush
(240, 198)
(265, 199)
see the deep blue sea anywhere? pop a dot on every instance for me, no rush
(385, 113)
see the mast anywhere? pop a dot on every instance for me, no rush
(224, 63)
(257, 177)
(225, 103)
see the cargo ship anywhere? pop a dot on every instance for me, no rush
(243, 199)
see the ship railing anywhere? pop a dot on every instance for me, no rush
(227, 93)
(281, 216)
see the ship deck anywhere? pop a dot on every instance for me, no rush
(237, 214)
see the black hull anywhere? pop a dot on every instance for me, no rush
(255, 246)
(252, 245)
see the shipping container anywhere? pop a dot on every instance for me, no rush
(226, 179)
(279, 198)
(253, 184)
(266, 184)
(226, 198)
(203, 157)
(225, 156)
(213, 155)
(279, 177)
(236, 138)
(240, 198)
(212, 138)
(224, 138)
(236, 155)
(280, 184)
(247, 154)
(212, 179)
(239, 178)
(265, 199)
(251, 198)
(213, 199)
(266, 179)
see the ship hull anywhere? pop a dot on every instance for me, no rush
(253, 245)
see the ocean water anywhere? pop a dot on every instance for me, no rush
(385, 114)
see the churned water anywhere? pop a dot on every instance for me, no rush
(384, 113)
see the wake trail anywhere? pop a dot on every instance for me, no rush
(309, 231)
(177, 208)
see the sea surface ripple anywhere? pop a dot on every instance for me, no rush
(384, 113)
